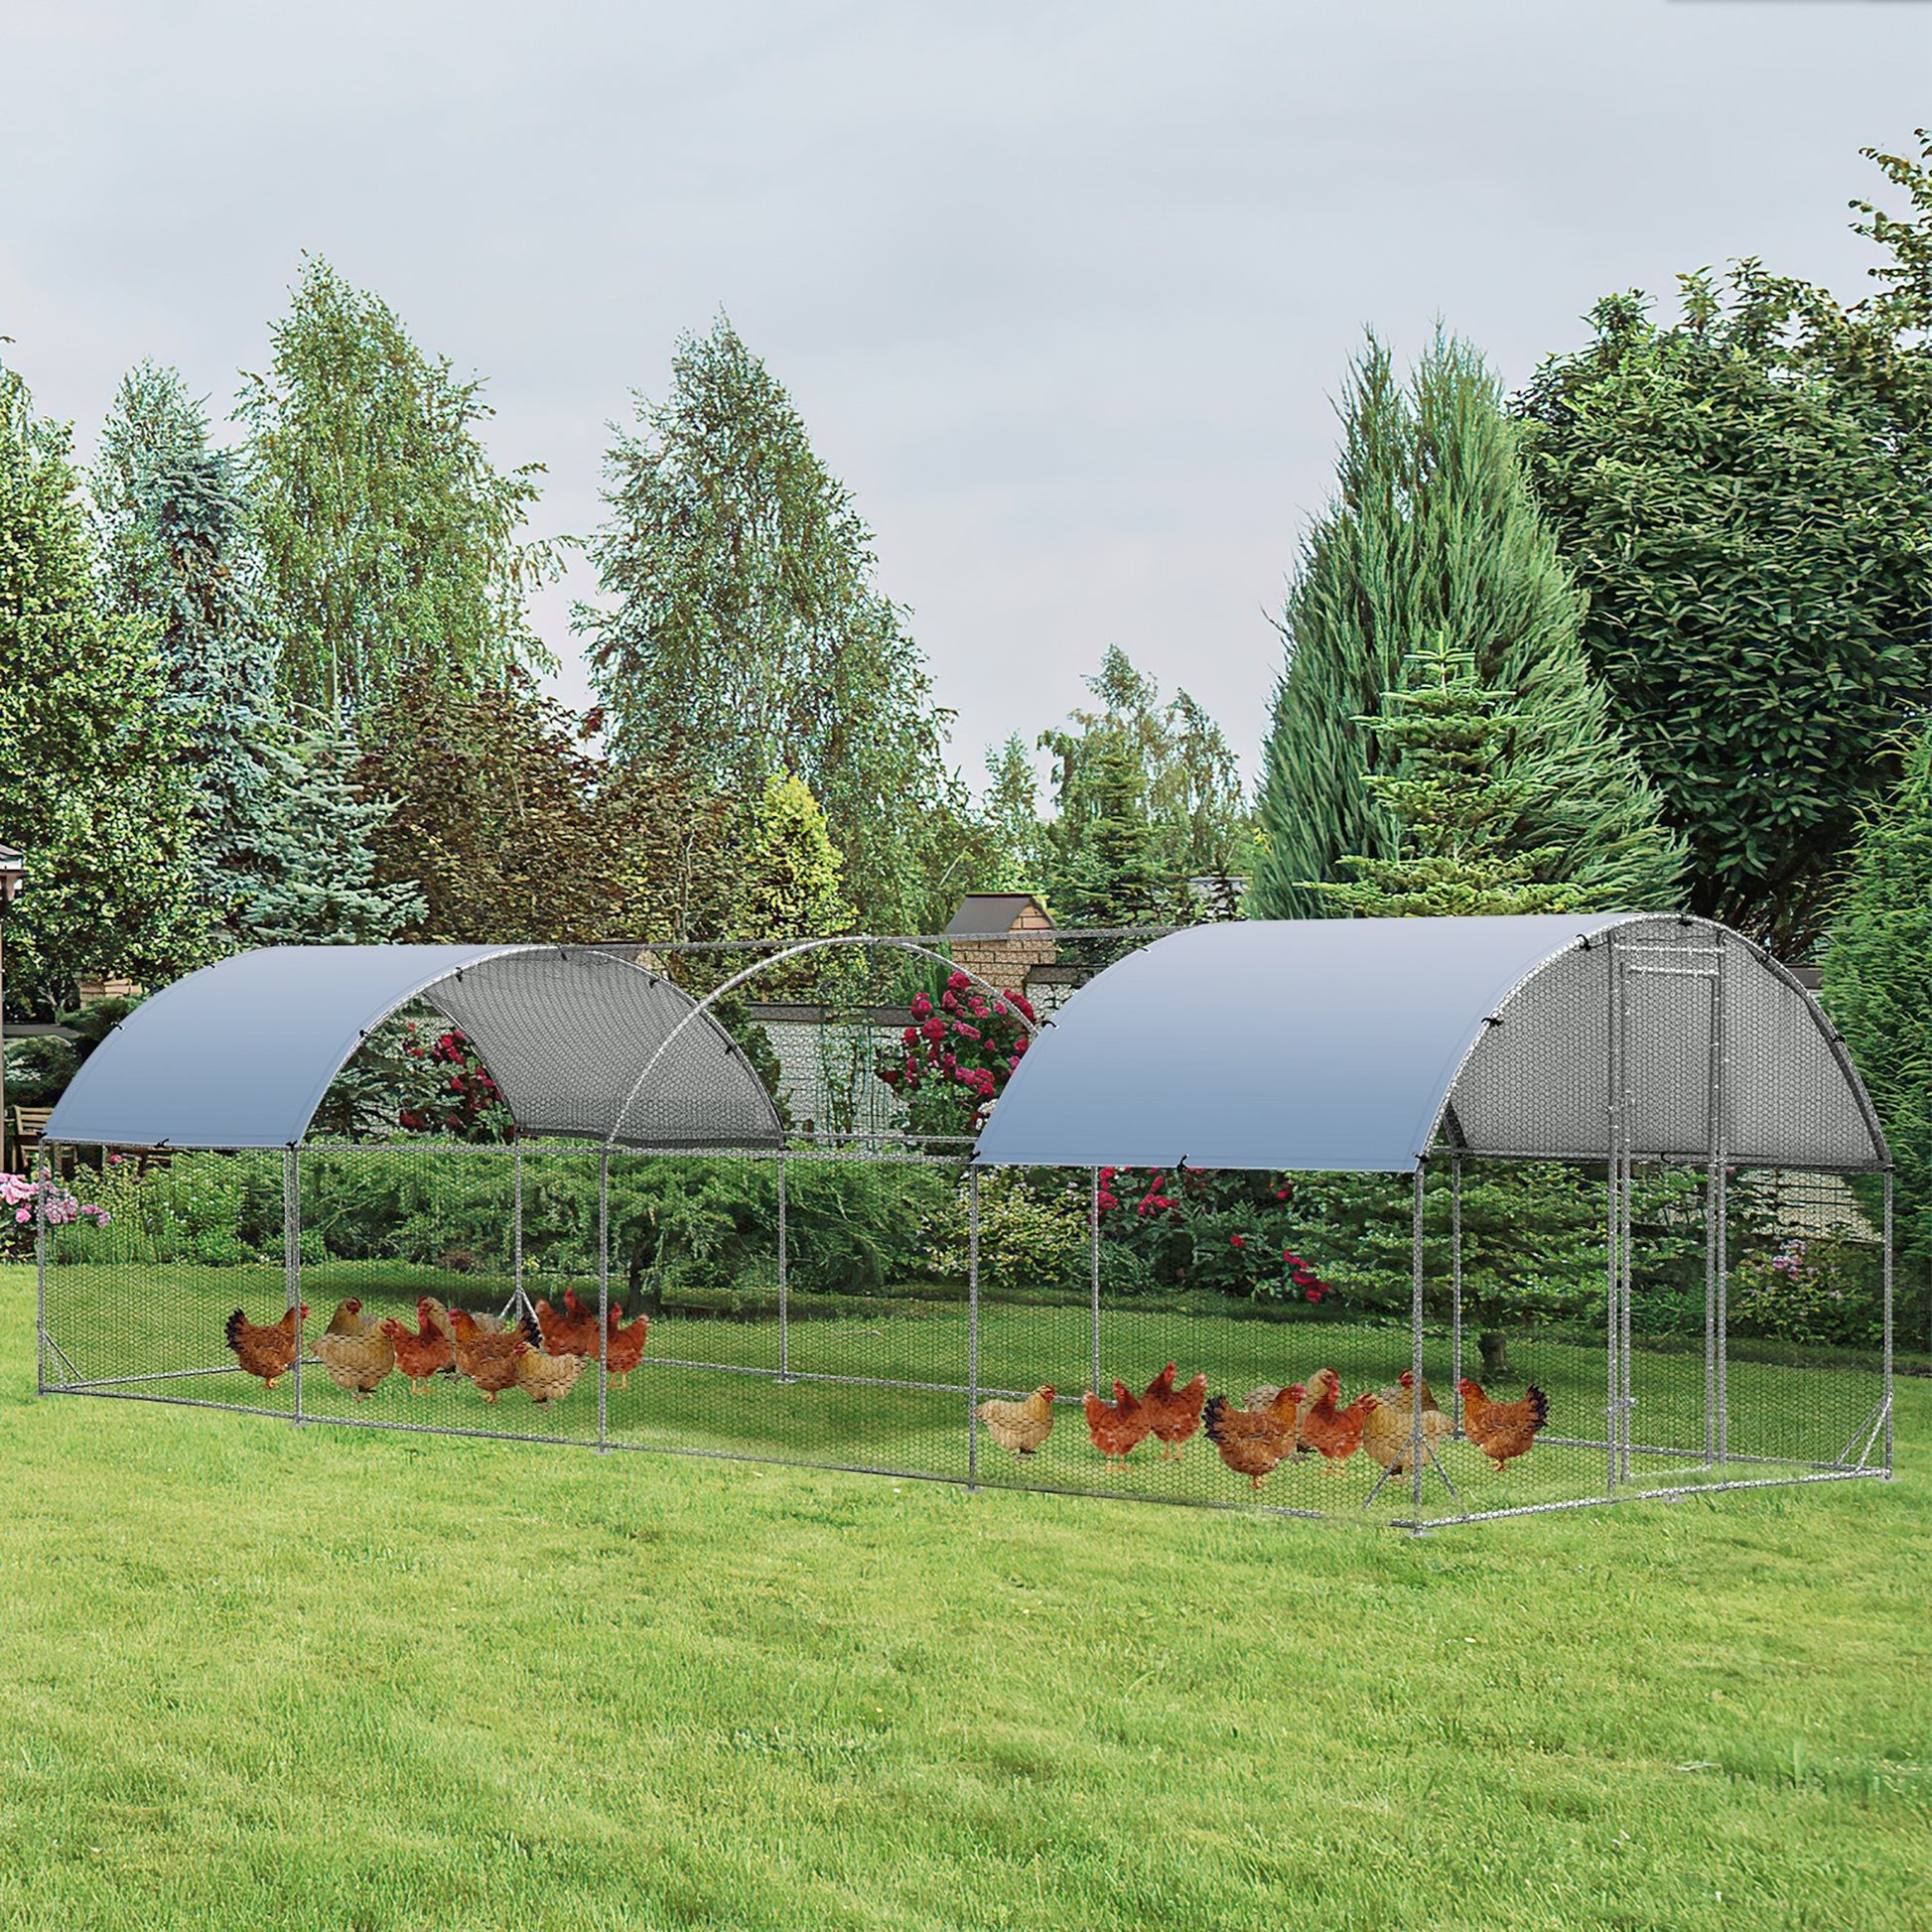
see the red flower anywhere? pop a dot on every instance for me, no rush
(922, 1006)
(1315, 1295)
(1020, 1046)
(934, 1030)
(1237, 1241)
(965, 1032)
(950, 1001)
(958, 982)
(910, 1036)
(1021, 1001)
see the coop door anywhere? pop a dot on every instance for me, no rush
(1672, 1051)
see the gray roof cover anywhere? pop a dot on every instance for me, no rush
(241, 1053)
(1337, 1045)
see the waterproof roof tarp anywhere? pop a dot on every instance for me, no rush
(1363, 1044)
(581, 1043)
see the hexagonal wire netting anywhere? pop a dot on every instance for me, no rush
(1656, 1196)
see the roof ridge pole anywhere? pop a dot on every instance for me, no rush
(1415, 1345)
(603, 1300)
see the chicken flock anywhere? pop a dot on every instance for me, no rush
(1275, 1424)
(543, 1357)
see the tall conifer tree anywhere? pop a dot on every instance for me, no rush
(1434, 533)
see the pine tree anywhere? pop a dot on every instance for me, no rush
(90, 783)
(1433, 532)
(1447, 789)
(1452, 801)
(174, 554)
(1877, 989)
(745, 621)
(319, 885)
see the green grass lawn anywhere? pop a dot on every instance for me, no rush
(333, 1678)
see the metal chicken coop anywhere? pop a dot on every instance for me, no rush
(1621, 1159)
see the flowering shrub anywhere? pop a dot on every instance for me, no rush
(64, 1207)
(465, 1101)
(1237, 1233)
(1804, 1291)
(955, 1058)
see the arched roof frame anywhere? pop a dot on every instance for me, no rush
(1376, 1044)
(241, 1053)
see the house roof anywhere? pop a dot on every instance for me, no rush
(580, 1042)
(1363, 1044)
(992, 911)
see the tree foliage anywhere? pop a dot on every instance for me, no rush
(319, 885)
(173, 556)
(744, 623)
(792, 882)
(505, 820)
(1751, 521)
(1449, 792)
(91, 785)
(1878, 983)
(1148, 800)
(389, 540)
(1433, 533)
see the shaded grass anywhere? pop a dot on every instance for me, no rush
(268, 1676)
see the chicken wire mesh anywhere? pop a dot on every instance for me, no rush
(856, 1296)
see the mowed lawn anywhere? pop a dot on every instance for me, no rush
(330, 1677)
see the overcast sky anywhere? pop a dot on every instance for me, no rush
(1062, 290)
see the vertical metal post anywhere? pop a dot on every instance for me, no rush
(1455, 1294)
(291, 1255)
(1886, 1268)
(1721, 1325)
(1613, 1217)
(603, 1300)
(519, 1299)
(784, 1269)
(1713, 1186)
(1415, 1346)
(1093, 1259)
(39, 1266)
(972, 1326)
(1627, 1403)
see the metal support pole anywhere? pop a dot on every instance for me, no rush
(39, 1266)
(972, 1326)
(1886, 1267)
(292, 1256)
(1415, 1345)
(1721, 1325)
(603, 1300)
(1627, 1401)
(1455, 1294)
(1613, 1220)
(519, 1300)
(784, 1269)
(1094, 1258)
